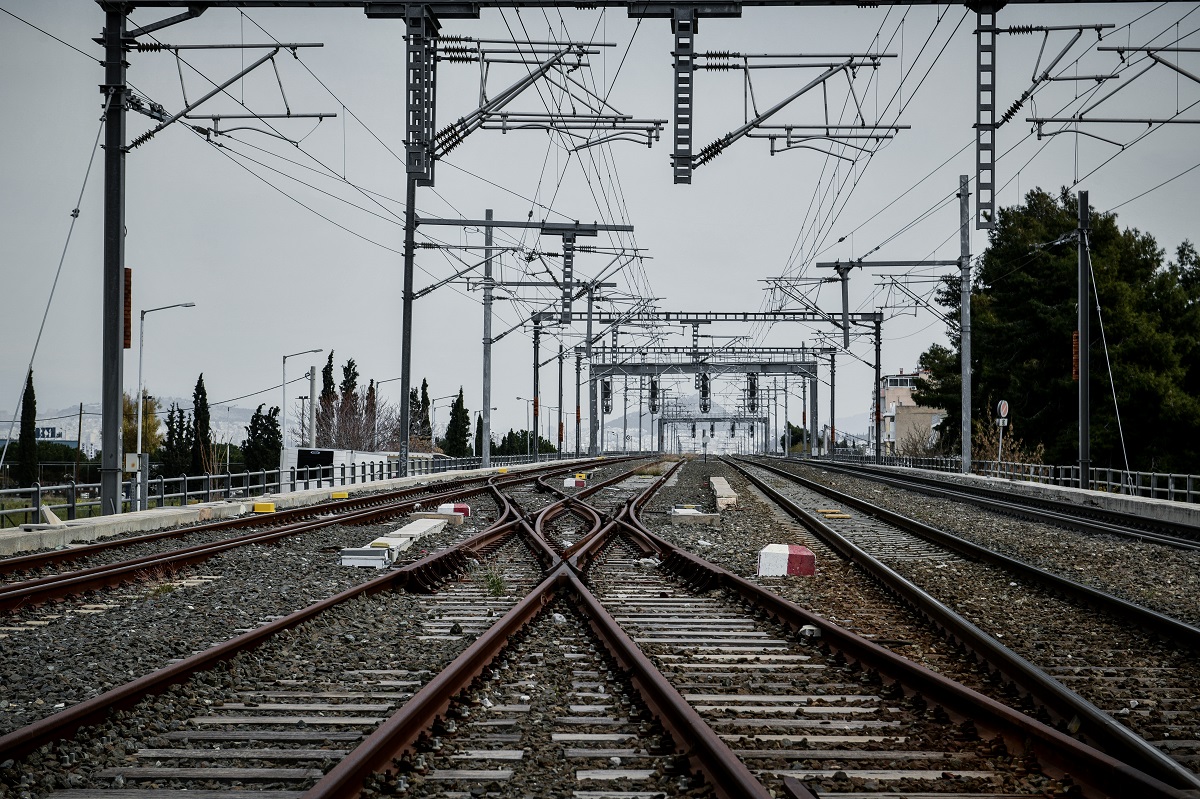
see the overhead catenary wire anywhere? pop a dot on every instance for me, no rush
(57, 274)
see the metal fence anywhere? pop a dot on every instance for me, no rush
(81, 500)
(1154, 485)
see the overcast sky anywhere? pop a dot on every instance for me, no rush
(275, 266)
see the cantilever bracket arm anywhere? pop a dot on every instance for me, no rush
(191, 13)
(717, 147)
(452, 135)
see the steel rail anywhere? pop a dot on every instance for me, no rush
(1080, 715)
(693, 738)
(42, 589)
(1104, 774)
(399, 734)
(416, 577)
(1174, 630)
(36, 560)
(1084, 518)
(56, 586)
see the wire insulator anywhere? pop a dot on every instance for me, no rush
(1014, 108)
(1020, 29)
(150, 47)
(140, 140)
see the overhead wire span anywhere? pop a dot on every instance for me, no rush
(57, 274)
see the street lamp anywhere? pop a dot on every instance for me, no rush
(375, 411)
(433, 416)
(283, 404)
(144, 469)
(548, 422)
(527, 404)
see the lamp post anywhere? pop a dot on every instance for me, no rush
(549, 420)
(433, 416)
(527, 433)
(283, 405)
(144, 468)
(375, 418)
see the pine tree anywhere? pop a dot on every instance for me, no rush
(458, 431)
(202, 456)
(263, 441)
(26, 471)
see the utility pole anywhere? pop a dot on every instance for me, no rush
(832, 403)
(312, 406)
(592, 420)
(787, 427)
(560, 400)
(964, 204)
(878, 381)
(1084, 334)
(112, 340)
(625, 418)
(578, 392)
(486, 460)
(640, 384)
(537, 340)
(808, 445)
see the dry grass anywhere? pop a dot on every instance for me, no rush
(656, 469)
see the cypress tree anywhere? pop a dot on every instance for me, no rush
(26, 473)
(478, 436)
(201, 431)
(263, 439)
(458, 431)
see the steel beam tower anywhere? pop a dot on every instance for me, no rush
(112, 343)
(985, 116)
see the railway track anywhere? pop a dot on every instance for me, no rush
(479, 688)
(1130, 666)
(262, 530)
(1079, 515)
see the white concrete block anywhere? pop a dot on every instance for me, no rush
(453, 519)
(726, 496)
(688, 515)
(365, 557)
(781, 560)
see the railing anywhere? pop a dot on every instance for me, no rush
(1154, 485)
(81, 500)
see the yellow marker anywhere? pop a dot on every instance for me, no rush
(264, 507)
(828, 510)
(340, 495)
(838, 516)
(502, 470)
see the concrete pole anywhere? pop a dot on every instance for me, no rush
(787, 428)
(140, 502)
(560, 400)
(625, 417)
(283, 414)
(312, 405)
(832, 406)
(964, 271)
(1085, 333)
(640, 422)
(578, 398)
(813, 416)
(113, 323)
(537, 340)
(406, 325)
(878, 396)
(486, 457)
(593, 422)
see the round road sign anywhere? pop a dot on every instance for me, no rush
(1002, 409)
